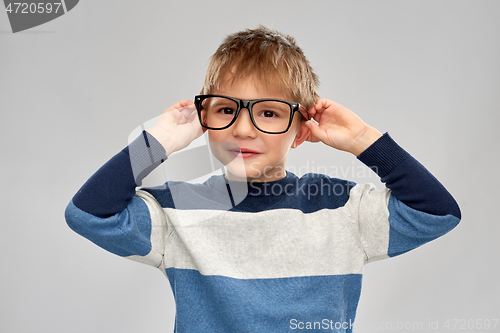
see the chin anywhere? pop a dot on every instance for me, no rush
(237, 169)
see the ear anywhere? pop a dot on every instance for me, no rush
(302, 135)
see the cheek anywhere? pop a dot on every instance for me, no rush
(289, 137)
(280, 145)
(215, 136)
(219, 153)
(217, 141)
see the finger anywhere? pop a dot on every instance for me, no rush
(195, 123)
(317, 133)
(311, 112)
(318, 109)
(188, 111)
(192, 116)
(317, 116)
(181, 115)
(183, 103)
(320, 104)
(179, 105)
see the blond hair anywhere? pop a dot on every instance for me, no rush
(273, 57)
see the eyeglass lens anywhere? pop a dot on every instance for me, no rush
(269, 116)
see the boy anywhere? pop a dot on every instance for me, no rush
(259, 249)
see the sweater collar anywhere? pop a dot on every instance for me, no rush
(237, 188)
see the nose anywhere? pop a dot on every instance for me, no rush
(243, 126)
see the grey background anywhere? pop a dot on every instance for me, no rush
(73, 89)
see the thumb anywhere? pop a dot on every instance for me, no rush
(317, 134)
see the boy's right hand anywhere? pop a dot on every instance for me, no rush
(177, 126)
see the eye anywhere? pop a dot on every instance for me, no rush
(227, 111)
(268, 114)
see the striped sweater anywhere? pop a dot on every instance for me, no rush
(279, 256)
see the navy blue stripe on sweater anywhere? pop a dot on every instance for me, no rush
(113, 186)
(310, 193)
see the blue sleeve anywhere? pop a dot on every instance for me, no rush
(125, 233)
(420, 208)
(108, 211)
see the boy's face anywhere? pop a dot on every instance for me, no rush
(243, 149)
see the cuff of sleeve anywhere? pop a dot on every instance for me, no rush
(383, 155)
(146, 153)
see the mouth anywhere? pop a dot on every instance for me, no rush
(244, 152)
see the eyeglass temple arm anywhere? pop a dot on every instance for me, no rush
(302, 110)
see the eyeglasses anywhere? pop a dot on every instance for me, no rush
(268, 115)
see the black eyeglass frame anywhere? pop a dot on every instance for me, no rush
(247, 104)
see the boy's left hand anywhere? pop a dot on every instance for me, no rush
(340, 128)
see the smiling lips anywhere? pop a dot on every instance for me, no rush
(244, 152)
